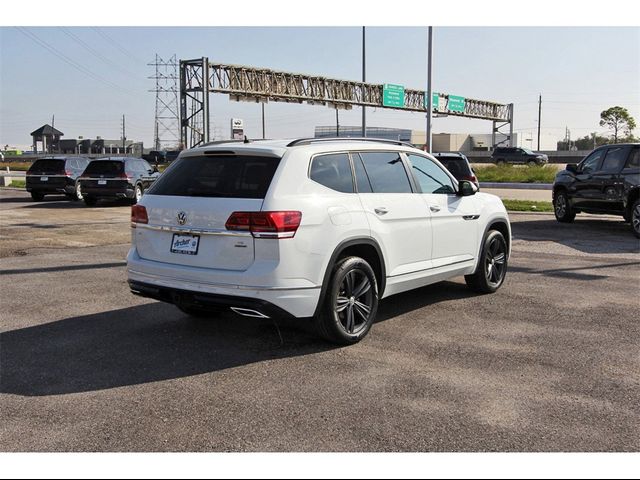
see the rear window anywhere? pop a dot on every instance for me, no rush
(47, 165)
(105, 167)
(229, 176)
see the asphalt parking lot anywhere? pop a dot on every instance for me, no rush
(549, 363)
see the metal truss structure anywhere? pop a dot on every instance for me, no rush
(199, 77)
(167, 118)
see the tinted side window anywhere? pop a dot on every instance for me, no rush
(386, 172)
(431, 177)
(634, 159)
(362, 181)
(591, 163)
(614, 160)
(72, 163)
(333, 171)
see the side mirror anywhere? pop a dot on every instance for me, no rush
(466, 188)
(572, 167)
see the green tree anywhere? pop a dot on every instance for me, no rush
(618, 120)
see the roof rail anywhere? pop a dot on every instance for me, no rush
(219, 142)
(307, 141)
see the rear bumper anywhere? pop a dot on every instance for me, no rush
(108, 192)
(203, 300)
(173, 284)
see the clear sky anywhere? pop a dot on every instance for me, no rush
(101, 73)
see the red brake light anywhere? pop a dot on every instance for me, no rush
(471, 178)
(282, 224)
(68, 173)
(138, 215)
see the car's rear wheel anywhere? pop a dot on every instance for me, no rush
(78, 191)
(532, 163)
(492, 266)
(562, 209)
(635, 218)
(90, 201)
(500, 161)
(37, 196)
(139, 191)
(350, 304)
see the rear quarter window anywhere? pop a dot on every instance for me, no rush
(333, 171)
(228, 176)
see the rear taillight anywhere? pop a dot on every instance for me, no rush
(68, 173)
(471, 178)
(266, 224)
(138, 215)
(125, 176)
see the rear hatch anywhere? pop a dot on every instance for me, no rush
(105, 176)
(190, 204)
(47, 174)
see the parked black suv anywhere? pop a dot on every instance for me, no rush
(116, 177)
(503, 155)
(458, 164)
(55, 175)
(605, 181)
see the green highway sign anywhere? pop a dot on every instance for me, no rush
(392, 95)
(435, 100)
(456, 104)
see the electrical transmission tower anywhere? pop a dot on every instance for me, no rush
(167, 122)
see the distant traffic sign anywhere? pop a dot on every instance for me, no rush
(456, 104)
(435, 100)
(392, 95)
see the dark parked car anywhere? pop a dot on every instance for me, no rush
(55, 175)
(171, 155)
(502, 155)
(155, 156)
(605, 181)
(116, 177)
(458, 164)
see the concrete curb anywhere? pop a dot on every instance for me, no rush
(519, 186)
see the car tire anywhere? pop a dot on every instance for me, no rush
(77, 192)
(137, 193)
(90, 201)
(532, 163)
(500, 162)
(492, 264)
(350, 303)
(37, 196)
(562, 209)
(635, 218)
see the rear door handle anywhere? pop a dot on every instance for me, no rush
(381, 210)
(434, 208)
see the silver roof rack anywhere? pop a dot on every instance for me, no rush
(307, 141)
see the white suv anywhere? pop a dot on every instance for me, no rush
(311, 228)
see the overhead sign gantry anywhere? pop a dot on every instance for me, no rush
(200, 77)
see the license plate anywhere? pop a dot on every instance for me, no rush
(186, 244)
(44, 179)
(102, 182)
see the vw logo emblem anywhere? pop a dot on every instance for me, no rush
(182, 218)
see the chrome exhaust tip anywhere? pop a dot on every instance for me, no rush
(247, 312)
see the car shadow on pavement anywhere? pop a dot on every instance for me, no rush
(69, 204)
(140, 344)
(586, 234)
(155, 342)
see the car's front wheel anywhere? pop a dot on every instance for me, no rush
(562, 209)
(350, 304)
(635, 218)
(492, 266)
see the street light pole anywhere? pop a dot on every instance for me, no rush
(429, 91)
(364, 79)
(539, 115)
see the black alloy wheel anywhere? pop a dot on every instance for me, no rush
(350, 304)
(562, 208)
(635, 218)
(492, 265)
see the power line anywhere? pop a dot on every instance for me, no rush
(69, 61)
(94, 52)
(110, 39)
